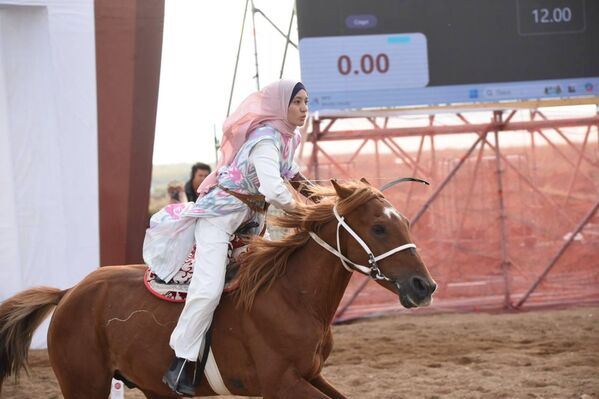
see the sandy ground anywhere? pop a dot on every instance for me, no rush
(540, 354)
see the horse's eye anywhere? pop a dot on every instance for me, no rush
(379, 230)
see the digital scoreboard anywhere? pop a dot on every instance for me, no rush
(385, 53)
(371, 62)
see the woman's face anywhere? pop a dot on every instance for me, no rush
(298, 109)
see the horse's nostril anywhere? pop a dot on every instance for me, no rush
(420, 287)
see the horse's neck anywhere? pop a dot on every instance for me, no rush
(317, 277)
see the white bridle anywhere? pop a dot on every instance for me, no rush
(372, 270)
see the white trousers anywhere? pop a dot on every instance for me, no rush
(212, 239)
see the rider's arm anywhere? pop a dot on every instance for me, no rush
(265, 158)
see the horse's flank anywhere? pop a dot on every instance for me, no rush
(266, 260)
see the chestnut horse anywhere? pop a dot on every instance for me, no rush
(270, 338)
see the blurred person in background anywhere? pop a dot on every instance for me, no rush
(176, 192)
(199, 171)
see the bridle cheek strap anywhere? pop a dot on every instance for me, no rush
(344, 260)
(372, 270)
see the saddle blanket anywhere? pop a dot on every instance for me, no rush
(175, 290)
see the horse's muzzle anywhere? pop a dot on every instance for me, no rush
(417, 291)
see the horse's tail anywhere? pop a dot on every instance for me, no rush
(20, 315)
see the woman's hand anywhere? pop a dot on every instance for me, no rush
(302, 185)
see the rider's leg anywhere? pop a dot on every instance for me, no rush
(212, 238)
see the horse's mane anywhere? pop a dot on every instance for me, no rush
(266, 260)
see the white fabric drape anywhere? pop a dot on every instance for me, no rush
(49, 229)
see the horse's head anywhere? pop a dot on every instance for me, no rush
(369, 223)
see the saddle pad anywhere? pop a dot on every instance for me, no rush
(176, 289)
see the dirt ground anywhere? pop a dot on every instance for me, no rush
(537, 354)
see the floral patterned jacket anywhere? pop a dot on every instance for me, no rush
(241, 175)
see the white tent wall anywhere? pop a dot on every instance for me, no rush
(49, 229)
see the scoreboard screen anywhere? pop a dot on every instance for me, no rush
(386, 53)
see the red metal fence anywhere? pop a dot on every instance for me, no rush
(503, 225)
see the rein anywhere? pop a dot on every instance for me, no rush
(255, 202)
(372, 270)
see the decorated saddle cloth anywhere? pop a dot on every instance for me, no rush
(173, 285)
(175, 290)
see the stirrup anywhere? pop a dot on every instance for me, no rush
(176, 378)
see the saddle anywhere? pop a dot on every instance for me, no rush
(175, 290)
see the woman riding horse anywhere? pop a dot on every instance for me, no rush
(257, 151)
(270, 339)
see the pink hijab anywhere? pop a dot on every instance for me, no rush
(265, 107)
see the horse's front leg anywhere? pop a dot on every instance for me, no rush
(325, 387)
(302, 389)
(292, 386)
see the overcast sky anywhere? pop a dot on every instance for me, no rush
(198, 59)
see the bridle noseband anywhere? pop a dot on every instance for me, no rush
(372, 270)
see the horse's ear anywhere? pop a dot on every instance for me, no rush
(342, 192)
(363, 180)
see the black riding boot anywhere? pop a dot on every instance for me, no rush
(179, 377)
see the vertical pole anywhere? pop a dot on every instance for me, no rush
(128, 45)
(584, 147)
(216, 145)
(287, 42)
(533, 155)
(237, 58)
(433, 169)
(431, 121)
(597, 125)
(254, 10)
(314, 159)
(533, 176)
(505, 263)
(433, 157)
(414, 170)
(378, 160)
